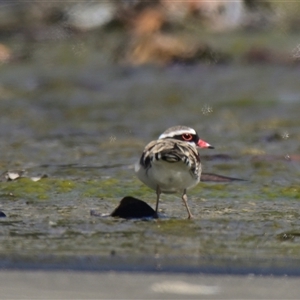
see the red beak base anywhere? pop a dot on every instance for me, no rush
(203, 144)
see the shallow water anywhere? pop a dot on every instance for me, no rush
(84, 121)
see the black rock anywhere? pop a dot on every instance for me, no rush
(132, 208)
(2, 214)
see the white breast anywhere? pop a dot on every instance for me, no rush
(170, 177)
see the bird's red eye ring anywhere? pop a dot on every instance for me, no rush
(187, 137)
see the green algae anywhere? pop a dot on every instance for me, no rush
(25, 188)
(286, 193)
(221, 226)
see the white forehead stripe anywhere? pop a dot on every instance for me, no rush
(176, 132)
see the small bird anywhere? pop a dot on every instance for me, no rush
(172, 163)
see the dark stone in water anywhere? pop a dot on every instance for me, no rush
(2, 214)
(288, 236)
(274, 137)
(218, 178)
(132, 208)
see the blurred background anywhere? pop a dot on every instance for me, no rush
(84, 85)
(129, 69)
(148, 32)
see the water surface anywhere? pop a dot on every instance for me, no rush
(83, 121)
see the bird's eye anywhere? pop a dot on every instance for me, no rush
(187, 137)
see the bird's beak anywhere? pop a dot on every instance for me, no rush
(203, 144)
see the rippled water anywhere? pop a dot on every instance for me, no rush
(84, 122)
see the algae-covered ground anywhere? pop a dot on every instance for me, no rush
(83, 121)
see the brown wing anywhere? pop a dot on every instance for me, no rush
(171, 151)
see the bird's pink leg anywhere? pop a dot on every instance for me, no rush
(185, 199)
(158, 192)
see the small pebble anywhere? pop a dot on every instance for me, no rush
(2, 214)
